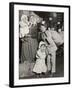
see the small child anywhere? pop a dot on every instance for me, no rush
(40, 66)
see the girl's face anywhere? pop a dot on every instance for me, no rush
(43, 28)
(43, 48)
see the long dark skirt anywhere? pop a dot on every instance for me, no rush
(29, 48)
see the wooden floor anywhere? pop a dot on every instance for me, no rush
(25, 70)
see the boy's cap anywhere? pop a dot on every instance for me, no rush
(43, 23)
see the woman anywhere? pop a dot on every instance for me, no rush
(29, 44)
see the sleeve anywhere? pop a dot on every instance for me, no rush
(57, 38)
(22, 33)
(43, 36)
(21, 23)
(38, 54)
(51, 44)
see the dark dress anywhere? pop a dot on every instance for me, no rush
(29, 46)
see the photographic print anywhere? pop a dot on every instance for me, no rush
(39, 44)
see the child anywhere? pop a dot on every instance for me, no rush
(51, 48)
(40, 66)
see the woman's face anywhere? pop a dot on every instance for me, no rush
(42, 28)
(32, 20)
(24, 18)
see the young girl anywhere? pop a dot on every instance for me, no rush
(40, 66)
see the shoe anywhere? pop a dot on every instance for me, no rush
(52, 74)
(38, 75)
(43, 73)
(49, 72)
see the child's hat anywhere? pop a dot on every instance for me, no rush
(42, 43)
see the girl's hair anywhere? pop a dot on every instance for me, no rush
(42, 45)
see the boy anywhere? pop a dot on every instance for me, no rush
(51, 48)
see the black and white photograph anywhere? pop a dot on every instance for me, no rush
(41, 44)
